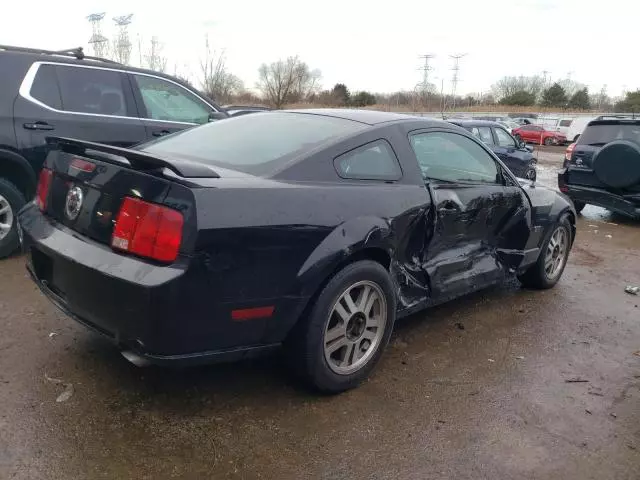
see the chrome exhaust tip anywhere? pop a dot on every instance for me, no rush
(137, 360)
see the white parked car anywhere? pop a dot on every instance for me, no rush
(576, 127)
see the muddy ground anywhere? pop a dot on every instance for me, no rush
(504, 384)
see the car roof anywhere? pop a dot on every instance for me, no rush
(369, 117)
(475, 123)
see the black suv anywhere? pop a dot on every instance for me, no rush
(68, 94)
(603, 167)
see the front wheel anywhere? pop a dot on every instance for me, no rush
(531, 174)
(548, 269)
(349, 325)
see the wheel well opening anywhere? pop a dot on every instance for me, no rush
(15, 174)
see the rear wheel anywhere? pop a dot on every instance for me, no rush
(350, 323)
(11, 200)
(548, 141)
(548, 269)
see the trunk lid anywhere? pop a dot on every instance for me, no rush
(90, 182)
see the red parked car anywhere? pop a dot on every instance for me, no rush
(538, 134)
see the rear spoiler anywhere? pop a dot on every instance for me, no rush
(137, 159)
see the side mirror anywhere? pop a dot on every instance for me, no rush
(213, 116)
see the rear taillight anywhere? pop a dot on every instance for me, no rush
(148, 230)
(44, 184)
(569, 151)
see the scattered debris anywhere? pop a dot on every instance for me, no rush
(593, 226)
(613, 415)
(633, 290)
(610, 223)
(596, 231)
(474, 393)
(490, 360)
(519, 357)
(583, 444)
(460, 326)
(68, 388)
(597, 394)
(576, 380)
(631, 446)
(404, 362)
(588, 411)
(608, 236)
(53, 334)
(441, 421)
(637, 354)
(66, 395)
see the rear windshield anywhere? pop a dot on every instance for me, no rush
(601, 134)
(258, 144)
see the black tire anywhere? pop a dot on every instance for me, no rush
(617, 164)
(548, 141)
(10, 242)
(536, 276)
(305, 347)
(531, 174)
(579, 206)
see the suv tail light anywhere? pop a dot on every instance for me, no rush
(567, 154)
(148, 230)
(44, 184)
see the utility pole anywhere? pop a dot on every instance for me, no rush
(455, 79)
(98, 41)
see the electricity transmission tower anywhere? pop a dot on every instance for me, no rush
(98, 41)
(122, 44)
(425, 87)
(456, 78)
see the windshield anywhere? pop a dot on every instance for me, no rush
(258, 144)
(601, 134)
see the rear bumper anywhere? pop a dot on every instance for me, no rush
(162, 313)
(602, 198)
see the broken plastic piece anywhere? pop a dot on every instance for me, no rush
(632, 290)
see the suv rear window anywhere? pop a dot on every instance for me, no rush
(603, 133)
(92, 90)
(259, 143)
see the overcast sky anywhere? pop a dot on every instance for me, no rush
(367, 45)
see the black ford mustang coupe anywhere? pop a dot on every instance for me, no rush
(312, 229)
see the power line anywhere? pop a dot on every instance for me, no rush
(456, 78)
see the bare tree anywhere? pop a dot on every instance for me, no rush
(154, 60)
(288, 80)
(217, 83)
(508, 86)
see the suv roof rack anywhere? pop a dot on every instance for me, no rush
(623, 116)
(77, 53)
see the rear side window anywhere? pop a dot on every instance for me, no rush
(484, 134)
(565, 123)
(373, 161)
(260, 143)
(45, 87)
(92, 90)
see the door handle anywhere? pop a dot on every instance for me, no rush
(38, 126)
(160, 133)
